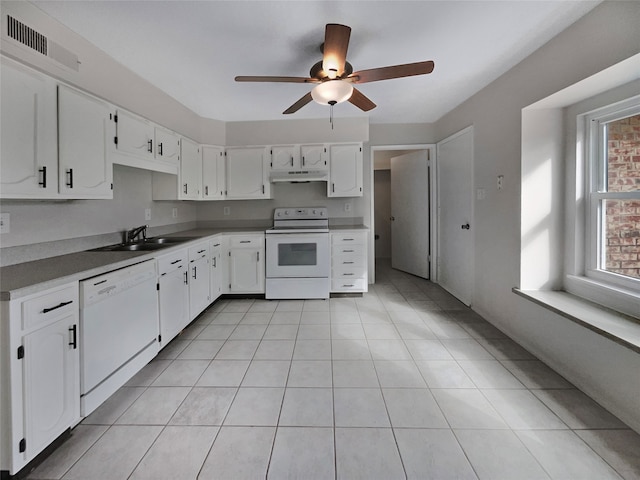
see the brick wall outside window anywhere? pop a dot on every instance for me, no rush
(623, 216)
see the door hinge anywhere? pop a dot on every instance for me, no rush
(158, 286)
(20, 352)
(115, 140)
(229, 253)
(115, 118)
(22, 445)
(112, 186)
(229, 286)
(159, 338)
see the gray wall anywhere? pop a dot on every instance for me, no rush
(602, 368)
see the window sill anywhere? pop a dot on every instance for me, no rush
(622, 329)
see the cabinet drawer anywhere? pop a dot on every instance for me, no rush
(348, 239)
(171, 262)
(348, 260)
(349, 273)
(351, 250)
(198, 251)
(50, 306)
(345, 285)
(249, 241)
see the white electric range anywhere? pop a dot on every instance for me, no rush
(297, 254)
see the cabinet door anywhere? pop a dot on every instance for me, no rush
(84, 130)
(285, 157)
(28, 158)
(213, 174)
(216, 269)
(345, 171)
(190, 170)
(246, 270)
(135, 135)
(314, 157)
(247, 174)
(51, 382)
(199, 286)
(167, 146)
(174, 304)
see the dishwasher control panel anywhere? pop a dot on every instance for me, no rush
(96, 289)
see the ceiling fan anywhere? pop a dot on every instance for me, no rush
(334, 76)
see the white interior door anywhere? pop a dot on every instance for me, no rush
(410, 213)
(455, 215)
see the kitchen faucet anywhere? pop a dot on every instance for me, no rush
(133, 234)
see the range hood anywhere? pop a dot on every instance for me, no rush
(299, 176)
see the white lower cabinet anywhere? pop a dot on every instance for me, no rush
(40, 378)
(349, 271)
(219, 267)
(173, 294)
(246, 263)
(199, 279)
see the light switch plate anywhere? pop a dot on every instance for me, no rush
(5, 222)
(147, 214)
(227, 210)
(174, 212)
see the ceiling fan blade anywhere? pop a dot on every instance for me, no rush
(336, 43)
(395, 71)
(299, 104)
(276, 79)
(361, 101)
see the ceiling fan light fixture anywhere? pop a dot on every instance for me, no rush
(332, 92)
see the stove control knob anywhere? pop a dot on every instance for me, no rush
(286, 212)
(314, 212)
(322, 213)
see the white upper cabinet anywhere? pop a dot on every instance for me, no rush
(190, 170)
(345, 170)
(247, 173)
(213, 173)
(29, 162)
(285, 157)
(85, 129)
(167, 147)
(135, 135)
(313, 157)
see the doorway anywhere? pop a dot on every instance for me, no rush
(381, 214)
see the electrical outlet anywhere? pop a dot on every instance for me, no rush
(5, 222)
(227, 210)
(347, 207)
(174, 212)
(481, 194)
(147, 214)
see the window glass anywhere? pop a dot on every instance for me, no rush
(623, 155)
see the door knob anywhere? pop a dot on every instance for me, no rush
(466, 226)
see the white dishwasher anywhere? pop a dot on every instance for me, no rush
(118, 330)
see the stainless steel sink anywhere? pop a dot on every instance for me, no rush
(149, 244)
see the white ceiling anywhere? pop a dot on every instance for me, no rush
(192, 50)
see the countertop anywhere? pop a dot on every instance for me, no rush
(23, 279)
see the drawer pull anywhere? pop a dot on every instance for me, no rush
(348, 239)
(245, 241)
(348, 251)
(201, 251)
(176, 261)
(347, 263)
(101, 281)
(62, 304)
(348, 274)
(216, 244)
(349, 285)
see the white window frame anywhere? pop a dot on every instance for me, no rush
(610, 289)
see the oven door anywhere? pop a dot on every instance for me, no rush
(297, 255)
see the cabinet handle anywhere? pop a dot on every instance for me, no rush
(206, 190)
(347, 263)
(303, 160)
(258, 256)
(202, 251)
(150, 146)
(292, 160)
(348, 274)
(186, 278)
(348, 285)
(70, 176)
(263, 188)
(160, 149)
(333, 188)
(215, 262)
(186, 188)
(245, 241)
(195, 272)
(348, 239)
(60, 305)
(43, 183)
(74, 337)
(347, 251)
(216, 244)
(175, 261)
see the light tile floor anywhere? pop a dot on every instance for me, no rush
(404, 382)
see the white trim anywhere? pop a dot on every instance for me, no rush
(432, 155)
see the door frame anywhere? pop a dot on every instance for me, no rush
(465, 130)
(433, 165)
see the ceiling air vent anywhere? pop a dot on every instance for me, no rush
(27, 36)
